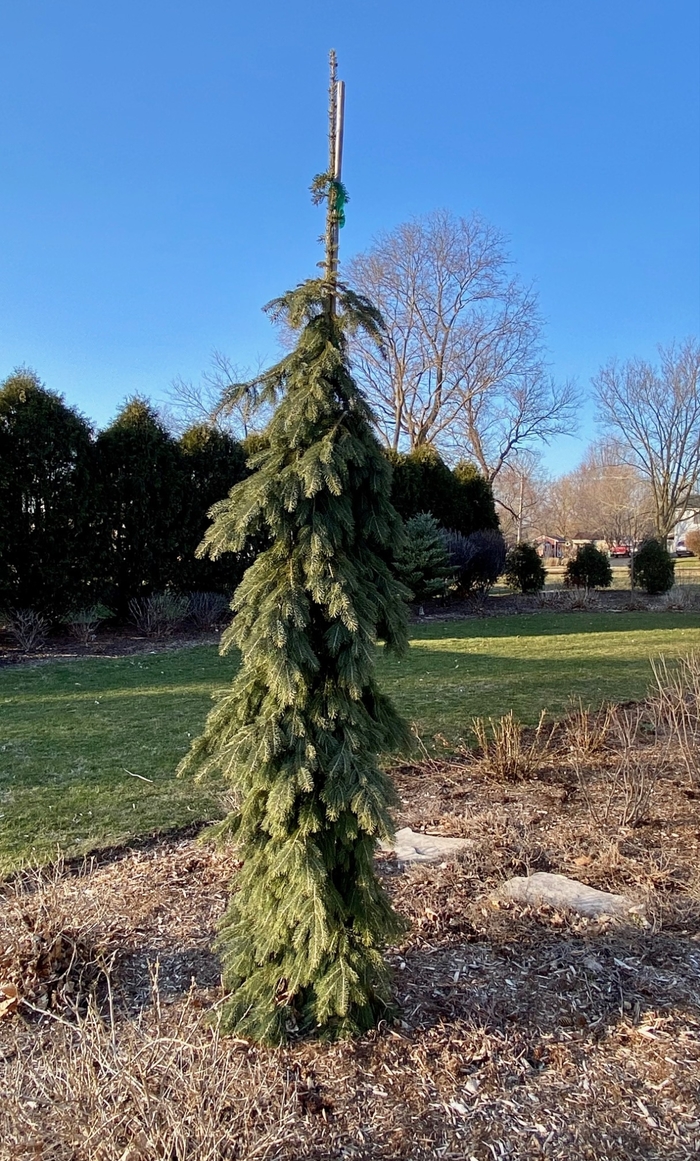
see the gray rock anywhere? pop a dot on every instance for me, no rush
(563, 893)
(410, 846)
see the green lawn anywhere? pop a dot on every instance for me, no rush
(69, 731)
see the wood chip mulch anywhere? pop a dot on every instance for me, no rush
(520, 1032)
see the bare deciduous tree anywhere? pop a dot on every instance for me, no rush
(654, 413)
(463, 366)
(519, 489)
(604, 498)
(616, 496)
(209, 400)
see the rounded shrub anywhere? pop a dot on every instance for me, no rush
(589, 569)
(524, 571)
(653, 567)
(477, 559)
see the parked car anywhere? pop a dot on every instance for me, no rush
(620, 550)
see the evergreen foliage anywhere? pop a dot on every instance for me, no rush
(298, 733)
(477, 560)
(653, 567)
(421, 561)
(474, 505)
(140, 505)
(46, 553)
(589, 569)
(461, 499)
(211, 463)
(524, 570)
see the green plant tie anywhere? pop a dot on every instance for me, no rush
(340, 198)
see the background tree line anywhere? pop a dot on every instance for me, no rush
(106, 517)
(462, 369)
(461, 379)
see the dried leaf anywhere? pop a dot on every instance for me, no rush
(9, 999)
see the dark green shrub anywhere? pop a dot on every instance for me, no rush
(461, 499)
(653, 567)
(211, 463)
(46, 499)
(477, 559)
(474, 508)
(141, 498)
(589, 569)
(524, 570)
(421, 562)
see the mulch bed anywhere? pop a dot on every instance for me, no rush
(520, 1032)
(124, 642)
(118, 643)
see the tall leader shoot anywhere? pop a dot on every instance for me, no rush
(299, 732)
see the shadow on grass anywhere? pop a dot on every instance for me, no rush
(554, 624)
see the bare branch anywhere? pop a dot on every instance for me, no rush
(654, 413)
(213, 400)
(463, 367)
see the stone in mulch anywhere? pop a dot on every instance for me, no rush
(566, 894)
(411, 846)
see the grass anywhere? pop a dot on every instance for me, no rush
(687, 572)
(72, 730)
(460, 670)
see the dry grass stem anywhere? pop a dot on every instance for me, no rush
(508, 750)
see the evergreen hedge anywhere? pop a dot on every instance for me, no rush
(461, 499)
(85, 521)
(88, 520)
(47, 555)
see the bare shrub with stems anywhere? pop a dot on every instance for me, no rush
(506, 752)
(28, 627)
(583, 601)
(629, 780)
(636, 603)
(674, 705)
(568, 600)
(555, 600)
(160, 614)
(84, 623)
(588, 732)
(680, 599)
(208, 612)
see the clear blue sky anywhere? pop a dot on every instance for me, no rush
(156, 158)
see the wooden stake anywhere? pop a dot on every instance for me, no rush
(339, 119)
(332, 98)
(336, 110)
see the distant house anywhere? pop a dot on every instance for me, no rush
(550, 547)
(689, 520)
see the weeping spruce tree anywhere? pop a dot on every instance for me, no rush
(298, 733)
